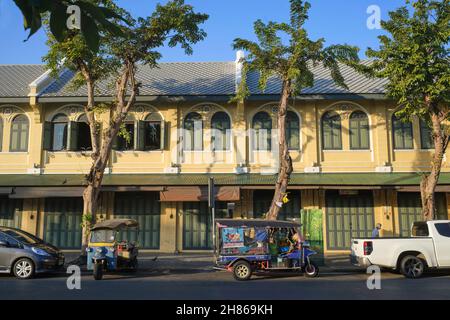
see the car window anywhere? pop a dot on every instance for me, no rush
(3, 237)
(420, 229)
(22, 236)
(443, 229)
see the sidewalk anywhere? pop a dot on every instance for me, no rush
(204, 262)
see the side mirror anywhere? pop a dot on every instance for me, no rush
(4, 243)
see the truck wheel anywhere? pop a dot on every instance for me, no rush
(242, 271)
(412, 267)
(98, 271)
(23, 268)
(311, 270)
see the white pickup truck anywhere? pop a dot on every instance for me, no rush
(428, 247)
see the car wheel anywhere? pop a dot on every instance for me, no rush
(23, 268)
(311, 270)
(98, 271)
(242, 270)
(412, 267)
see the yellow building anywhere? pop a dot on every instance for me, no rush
(352, 158)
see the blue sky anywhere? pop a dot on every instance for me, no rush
(338, 21)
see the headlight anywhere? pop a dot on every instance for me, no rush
(40, 252)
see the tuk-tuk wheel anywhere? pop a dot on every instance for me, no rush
(311, 270)
(98, 271)
(242, 270)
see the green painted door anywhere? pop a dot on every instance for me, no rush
(348, 216)
(410, 210)
(62, 226)
(263, 198)
(145, 208)
(10, 212)
(196, 226)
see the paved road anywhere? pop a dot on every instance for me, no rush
(220, 285)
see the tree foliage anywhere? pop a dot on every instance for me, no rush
(414, 57)
(93, 17)
(293, 60)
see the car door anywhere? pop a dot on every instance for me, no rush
(5, 253)
(442, 243)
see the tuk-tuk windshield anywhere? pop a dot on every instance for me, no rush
(103, 235)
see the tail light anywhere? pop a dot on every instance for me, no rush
(368, 247)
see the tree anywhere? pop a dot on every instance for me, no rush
(118, 58)
(414, 57)
(292, 63)
(91, 17)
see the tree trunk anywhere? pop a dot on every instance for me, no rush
(101, 154)
(430, 180)
(285, 170)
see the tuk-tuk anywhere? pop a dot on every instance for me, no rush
(247, 246)
(107, 252)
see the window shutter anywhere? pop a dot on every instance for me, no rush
(115, 143)
(337, 143)
(47, 140)
(326, 132)
(163, 135)
(139, 136)
(72, 137)
(198, 135)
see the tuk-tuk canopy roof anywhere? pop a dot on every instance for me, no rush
(116, 224)
(256, 223)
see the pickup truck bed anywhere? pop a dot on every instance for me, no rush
(429, 247)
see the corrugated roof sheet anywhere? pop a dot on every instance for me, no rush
(14, 79)
(183, 79)
(324, 84)
(169, 79)
(297, 179)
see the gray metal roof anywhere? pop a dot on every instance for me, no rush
(169, 79)
(324, 84)
(183, 79)
(14, 79)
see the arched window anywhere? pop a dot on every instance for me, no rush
(292, 130)
(331, 131)
(426, 136)
(83, 132)
(359, 131)
(125, 139)
(19, 134)
(262, 131)
(402, 133)
(60, 124)
(221, 131)
(193, 132)
(153, 132)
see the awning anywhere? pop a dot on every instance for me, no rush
(46, 192)
(184, 194)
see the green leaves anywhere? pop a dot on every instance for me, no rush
(94, 19)
(414, 56)
(292, 61)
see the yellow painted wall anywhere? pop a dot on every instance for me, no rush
(310, 154)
